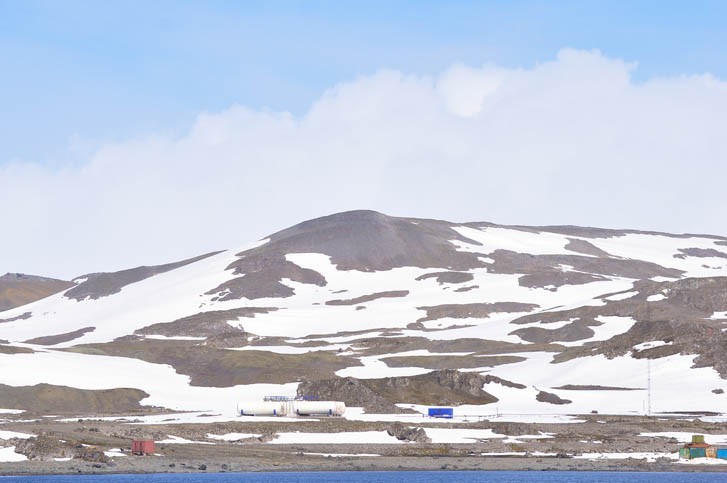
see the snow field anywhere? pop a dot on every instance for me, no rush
(650, 457)
(11, 411)
(531, 242)
(465, 435)
(14, 434)
(684, 437)
(177, 440)
(343, 455)
(286, 349)
(161, 298)
(660, 249)
(165, 387)
(612, 326)
(8, 455)
(624, 371)
(114, 453)
(232, 436)
(621, 296)
(350, 437)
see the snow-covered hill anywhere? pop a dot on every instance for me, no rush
(563, 319)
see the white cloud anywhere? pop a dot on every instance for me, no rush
(574, 141)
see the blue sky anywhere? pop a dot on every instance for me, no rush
(76, 74)
(142, 132)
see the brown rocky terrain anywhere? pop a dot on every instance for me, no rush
(18, 289)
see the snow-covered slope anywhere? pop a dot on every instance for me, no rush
(566, 319)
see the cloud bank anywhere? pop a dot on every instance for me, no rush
(570, 141)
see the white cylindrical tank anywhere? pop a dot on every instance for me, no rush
(263, 408)
(319, 408)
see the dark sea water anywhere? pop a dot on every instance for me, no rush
(389, 477)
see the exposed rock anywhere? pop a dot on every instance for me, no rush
(97, 285)
(18, 289)
(700, 252)
(548, 269)
(584, 247)
(476, 310)
(354, 392)
(450, 362)
(591, 387)
(44, 448)
(205, 324)
(490, 379)
(354, 241)
(50, 399)
(213, 367)
(445, 387)
(406, 433)
(577, 330)
(9, 349)
(551, 398)
(467, 289)
(60, 338)
(91, 454)
(369, 298)
(448, 277)
(23, 316)
(47, 448)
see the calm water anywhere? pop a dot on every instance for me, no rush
(390, 477)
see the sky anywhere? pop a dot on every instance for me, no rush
(146, 132)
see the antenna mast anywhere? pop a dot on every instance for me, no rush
(648, 367)
(648, 405)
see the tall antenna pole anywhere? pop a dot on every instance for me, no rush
(648, 405)
(648, 367)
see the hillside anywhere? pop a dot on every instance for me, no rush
(18, 289)
(560, 319)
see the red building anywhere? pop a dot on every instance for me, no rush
(142, 447)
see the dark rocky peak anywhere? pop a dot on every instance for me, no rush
(355, 240)
(24, 278)
(371, 241)
(97, 285)
(18, 289)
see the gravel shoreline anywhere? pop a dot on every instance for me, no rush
(149, 465)
(597, 434)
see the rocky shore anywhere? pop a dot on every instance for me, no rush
(597, 443)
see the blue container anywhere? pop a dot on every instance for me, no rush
(722, 453)
(698, 452)
(446, 413)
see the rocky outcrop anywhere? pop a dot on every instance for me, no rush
(444, 387)
(51, 399)
(48, 448)
(18, 289)
(97, 285)
(409, 434)
(355, 240)
(551, 398)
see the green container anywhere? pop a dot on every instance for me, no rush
(698, 438)
(698, 452)
(684, 453)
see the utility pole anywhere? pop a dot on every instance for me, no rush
(648, 405)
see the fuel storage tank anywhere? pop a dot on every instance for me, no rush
(262, 408)
(319, 408)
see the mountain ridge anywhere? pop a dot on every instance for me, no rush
(373, 297)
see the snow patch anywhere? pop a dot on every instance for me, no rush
(8, 455)
(621, 296)
(351, 437)
(13, 434)
(232, 436)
